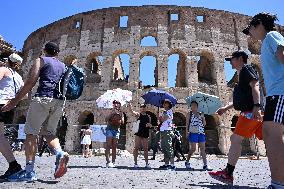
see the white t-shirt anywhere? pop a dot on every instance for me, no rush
(167, 125)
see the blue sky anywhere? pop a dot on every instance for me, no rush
(19, 18)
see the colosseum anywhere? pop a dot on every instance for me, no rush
(201, 37)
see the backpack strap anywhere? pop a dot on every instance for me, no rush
(189, 120)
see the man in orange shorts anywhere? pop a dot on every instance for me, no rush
(246, 98)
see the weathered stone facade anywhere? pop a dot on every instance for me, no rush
(201, 45)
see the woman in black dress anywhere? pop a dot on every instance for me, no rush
(141, 137)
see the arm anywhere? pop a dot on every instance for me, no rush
(186, 124)
(2, 72)
(29, 84)
(280, 54)
(256, 99)
(222, 110)
(203, 119)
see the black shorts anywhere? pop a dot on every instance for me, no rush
(274, 109)
(6, 117)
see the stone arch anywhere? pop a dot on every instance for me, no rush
(119, 70)
(149, 40)
(205, 68)
(154, 69)
(212, 135)
(93, 63)
(180, 77)
(69, 59)
(179, 119)
(93, 67)
(86, 118)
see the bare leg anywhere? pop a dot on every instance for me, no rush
(5, 148)
(136, 147)
(87, 150)
(235, 149)
(83, 150)
(202, 152)
(273, 134)
(192, 149)
(114, 146)
(30, 147)
(145, 148)
(108, 146)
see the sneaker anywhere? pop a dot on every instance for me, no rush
(171, 167)
(207, 168)
(110, 165)
(165, 166)
(61, 164)
(136, 166)
(147, 166)
(187, 165)
(222, 176)
(23, 175)
(10, 172)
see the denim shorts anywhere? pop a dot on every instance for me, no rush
(111, 133)
(196, 138)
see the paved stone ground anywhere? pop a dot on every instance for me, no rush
(91, 173)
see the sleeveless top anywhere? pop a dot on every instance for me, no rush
(9, 88)
(196, 124)
(49, 76)
(143, 131)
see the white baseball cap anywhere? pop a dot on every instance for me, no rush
(15, 58)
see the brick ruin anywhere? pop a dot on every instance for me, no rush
(201, 37)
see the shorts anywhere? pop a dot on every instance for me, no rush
(248, 127)
(274, 109)
(111, 133)
(167, 143)
(196, 138)
(43, 116)
(6, 117)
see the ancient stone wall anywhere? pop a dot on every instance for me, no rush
(201, 37)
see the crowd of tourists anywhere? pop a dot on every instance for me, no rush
(46, 108)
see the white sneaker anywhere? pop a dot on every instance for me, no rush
(147, 166)
(110, 165)
(136, 166)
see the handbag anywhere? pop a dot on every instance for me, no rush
(135, 126)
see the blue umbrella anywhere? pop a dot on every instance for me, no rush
(157, 97)
(208, 104)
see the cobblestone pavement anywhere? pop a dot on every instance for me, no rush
(91, 173)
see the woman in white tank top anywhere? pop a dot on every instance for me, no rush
(10, 83)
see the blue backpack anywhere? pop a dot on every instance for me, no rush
(71, 83)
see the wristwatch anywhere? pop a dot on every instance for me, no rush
(257, 105)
